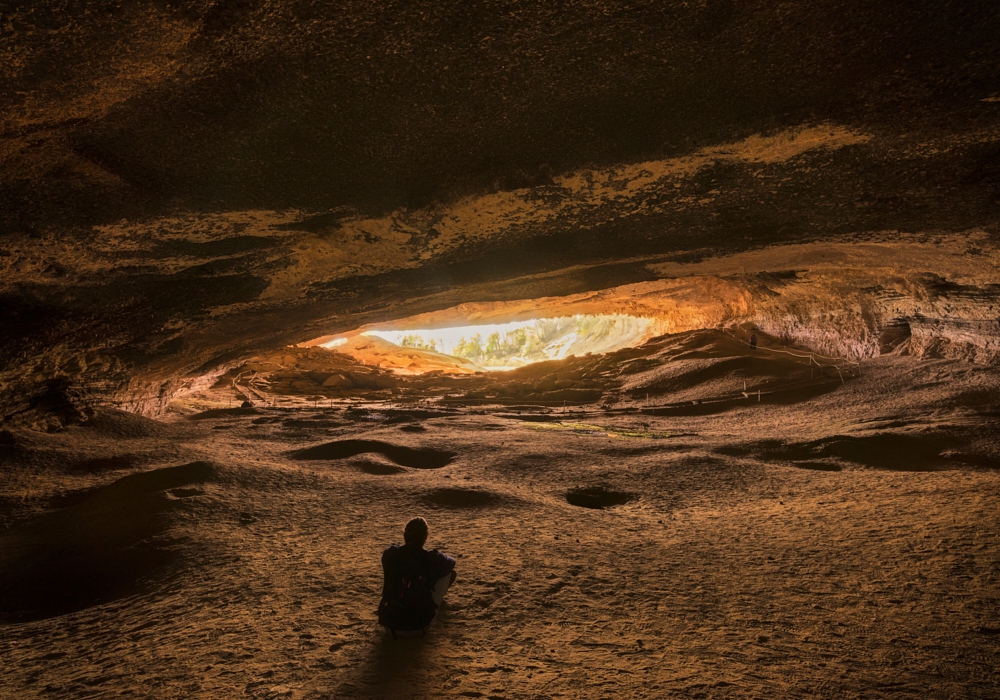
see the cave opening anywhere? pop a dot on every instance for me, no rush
(499, 346)
(676, 322)
(894, 336)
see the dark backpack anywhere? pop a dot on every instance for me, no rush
(407, 599)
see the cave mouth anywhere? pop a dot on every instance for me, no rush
(894, 336)
(471, 348)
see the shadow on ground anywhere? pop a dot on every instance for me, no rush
(103, 545)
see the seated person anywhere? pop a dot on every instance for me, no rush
(414, 582)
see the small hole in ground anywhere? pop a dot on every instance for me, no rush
(598, 497)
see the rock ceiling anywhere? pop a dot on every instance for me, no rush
(187, 184)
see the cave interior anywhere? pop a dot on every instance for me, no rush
(678, 321)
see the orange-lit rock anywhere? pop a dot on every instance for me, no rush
(194, 493)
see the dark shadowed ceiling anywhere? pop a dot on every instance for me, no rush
(187, 183)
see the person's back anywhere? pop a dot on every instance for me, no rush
(414, 581)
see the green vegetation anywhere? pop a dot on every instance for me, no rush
(536, 341)
(415, 341)
(522, 345)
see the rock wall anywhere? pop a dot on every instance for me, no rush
(927, 297)
(928, 300)
(916, 295)
(185, 185)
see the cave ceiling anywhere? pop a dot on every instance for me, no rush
(187, 183)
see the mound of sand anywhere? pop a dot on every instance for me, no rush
(120, 424)
(377, 467)
(416, 458)
(377, 352)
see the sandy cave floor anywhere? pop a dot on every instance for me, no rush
(195, 558)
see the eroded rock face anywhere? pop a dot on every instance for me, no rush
(856, 300)
(935, 297)
(913, 295)
(185, 186)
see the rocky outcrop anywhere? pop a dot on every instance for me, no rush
(929, 300)
(187, 185)
(862, 299)
(886, 294)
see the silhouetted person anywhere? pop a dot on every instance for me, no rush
(753, 341)
(414, 582)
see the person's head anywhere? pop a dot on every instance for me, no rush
(415, 532)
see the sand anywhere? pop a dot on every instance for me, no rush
(843, 544)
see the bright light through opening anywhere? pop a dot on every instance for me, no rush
(504, 346)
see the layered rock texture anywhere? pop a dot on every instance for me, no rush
(187, 185)
(196, 194)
